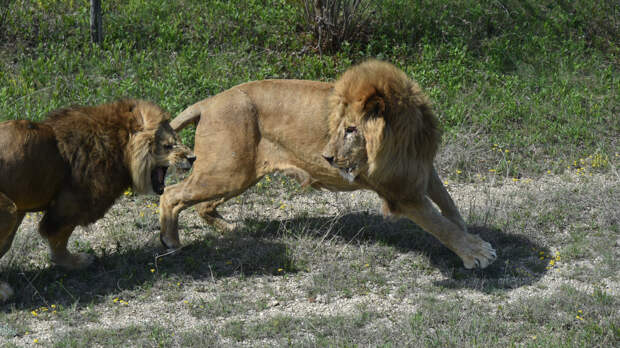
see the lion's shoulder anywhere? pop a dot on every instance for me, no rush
(92, 141)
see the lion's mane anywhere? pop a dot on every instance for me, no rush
(107, 149)
(403, 141)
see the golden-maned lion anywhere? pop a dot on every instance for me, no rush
(75, 163)
(372, 129)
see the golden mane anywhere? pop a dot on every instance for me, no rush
(403, 140)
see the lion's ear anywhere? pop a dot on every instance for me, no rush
(135, 124)
(374, 106)
(136, 121)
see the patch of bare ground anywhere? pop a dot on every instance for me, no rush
(310, 268)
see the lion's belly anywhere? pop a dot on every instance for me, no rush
(31, 168)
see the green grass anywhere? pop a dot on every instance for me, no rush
(537, 78)
(528, 96)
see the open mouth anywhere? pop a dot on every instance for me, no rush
(158, 176)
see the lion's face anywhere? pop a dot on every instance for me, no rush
(346, 150)
(355, 128)
(155, 148)
(168, 151)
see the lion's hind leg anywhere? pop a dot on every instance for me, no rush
(208, 212)
(198, 188)
(10, 219)
(473, 250)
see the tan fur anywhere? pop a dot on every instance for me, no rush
(372, 129)
(75, 163)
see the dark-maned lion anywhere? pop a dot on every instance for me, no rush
(75, 163)
(372, 129)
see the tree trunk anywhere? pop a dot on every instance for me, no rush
(96, 33)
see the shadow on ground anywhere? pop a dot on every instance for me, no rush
(518, 260)
(255, 250)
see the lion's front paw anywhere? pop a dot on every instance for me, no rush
(477, 253)
(73, 261)
(5, 291)
(170, 242)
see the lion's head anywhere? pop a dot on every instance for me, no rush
(381, 125)
(153, 148)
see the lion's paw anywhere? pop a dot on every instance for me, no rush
(5, 291)
(74, 261)
(170, 243)
(479, 253)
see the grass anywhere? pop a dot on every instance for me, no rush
(527, 93)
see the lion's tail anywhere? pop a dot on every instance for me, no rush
(189, 115)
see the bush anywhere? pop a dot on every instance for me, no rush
(335, 21)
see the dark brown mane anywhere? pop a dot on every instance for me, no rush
(92, 140)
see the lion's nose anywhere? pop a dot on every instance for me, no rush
(329, 159)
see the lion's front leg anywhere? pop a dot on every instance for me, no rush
(57, 238)
(170, 206)
(438, 193)
(473, 250)
(10, 219)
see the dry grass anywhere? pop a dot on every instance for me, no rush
(316, 268)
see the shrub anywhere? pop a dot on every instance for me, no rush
(335, 21)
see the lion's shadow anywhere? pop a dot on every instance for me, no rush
(518, 260)
(254, 250)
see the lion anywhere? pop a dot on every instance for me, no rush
(372, 129)
(75, 163)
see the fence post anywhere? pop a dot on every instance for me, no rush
(96, 33)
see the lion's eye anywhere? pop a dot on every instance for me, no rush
(168, 146)
(350, 129)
